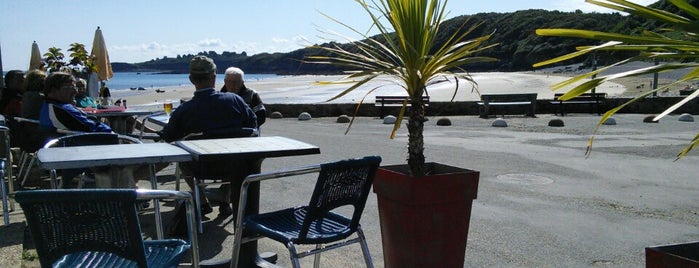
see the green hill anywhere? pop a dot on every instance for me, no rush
(518, 46)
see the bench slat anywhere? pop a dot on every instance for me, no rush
(517, 99)
(385, 101)
(594, 100)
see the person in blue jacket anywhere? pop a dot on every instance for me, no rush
(59, 111)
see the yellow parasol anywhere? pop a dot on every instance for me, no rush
(99, 52)
(35, 59)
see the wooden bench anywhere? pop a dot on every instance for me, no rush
(489, 101)
(593, 100)
(385, 101)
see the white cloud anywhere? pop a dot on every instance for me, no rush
(211, 43)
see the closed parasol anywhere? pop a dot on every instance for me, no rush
(35, 60)
(99, 52)
(2, 83)
(103, 66)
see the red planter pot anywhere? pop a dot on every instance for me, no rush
(424, 221)
(676, 255)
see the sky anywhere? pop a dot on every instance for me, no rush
(138, 30)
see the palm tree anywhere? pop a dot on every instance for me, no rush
(406, 50)
(80, 62)
(54, 59)
(679, 42)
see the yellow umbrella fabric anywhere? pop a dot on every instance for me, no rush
(35, 59)
(99, 52)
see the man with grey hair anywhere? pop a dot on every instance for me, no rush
(207, 112)
(234, 82)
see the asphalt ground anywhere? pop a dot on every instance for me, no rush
(541, 202)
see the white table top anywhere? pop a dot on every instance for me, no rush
(110, 155)
(252, 147)
(161, 119)
(127, 112)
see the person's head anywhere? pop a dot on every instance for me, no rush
(202, 72)
(14, 80)
(235, 77)
(81, 86)
(34, 81)
(60, 86)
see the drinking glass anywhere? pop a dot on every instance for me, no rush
(167, 106)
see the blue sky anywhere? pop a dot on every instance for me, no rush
(137, 30)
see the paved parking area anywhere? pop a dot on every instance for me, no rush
(541, 202)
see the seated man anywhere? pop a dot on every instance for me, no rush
(234, 81)
(208, 111)
(59, 112)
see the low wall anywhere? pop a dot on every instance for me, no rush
(645, 106)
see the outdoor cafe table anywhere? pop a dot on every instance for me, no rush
(117, 116)
(115, 155)
(247, 148)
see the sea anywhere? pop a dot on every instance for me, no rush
(148, 80)
(154, 80)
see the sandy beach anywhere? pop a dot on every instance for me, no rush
(318, 89)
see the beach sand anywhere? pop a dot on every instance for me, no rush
(319, 89)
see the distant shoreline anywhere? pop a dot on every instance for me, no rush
(305, 89)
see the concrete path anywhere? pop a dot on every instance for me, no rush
(540, 203)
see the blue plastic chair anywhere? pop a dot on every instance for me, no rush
(339, 184)
(101, 228)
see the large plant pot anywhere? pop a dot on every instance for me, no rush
(677, 255)
(424, 220)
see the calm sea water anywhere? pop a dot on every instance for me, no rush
(125, 81)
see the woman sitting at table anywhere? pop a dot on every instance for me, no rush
(82, 100)
(59, 111)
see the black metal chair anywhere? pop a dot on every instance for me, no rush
(340, 184)
(219, 172)
(26, 134)
(5, 194)
(101, 228)
(83, 139)
(6, 179)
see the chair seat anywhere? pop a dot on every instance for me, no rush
(284, 226)
(161, 253)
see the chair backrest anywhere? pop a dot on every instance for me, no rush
(339, 184)
(91, 138)
(71, 221)
(239, 132)
(223, 169)
(26, 134)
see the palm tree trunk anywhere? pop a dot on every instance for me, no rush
(416, 144)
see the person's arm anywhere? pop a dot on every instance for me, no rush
(70, 118)
(171, 131)
(259, 108)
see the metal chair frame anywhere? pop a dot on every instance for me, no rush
(74, 140)
(27, 158)
(198, 181)
(93, 236)
(7, 181)
(332, 230)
